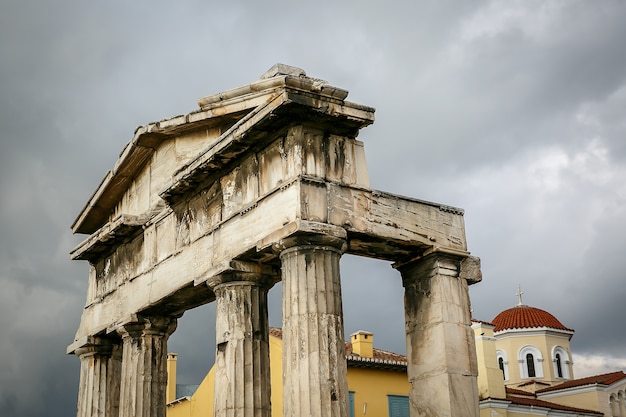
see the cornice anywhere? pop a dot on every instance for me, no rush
(536, 331)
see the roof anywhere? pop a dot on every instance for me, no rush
(382, 359)
(533, 402)
(533, 382)
(483, 322)
(518, 392)
(603, 379)
(525, 398)
(526, 317)
(244, 114)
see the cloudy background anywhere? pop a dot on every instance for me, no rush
(511, 110)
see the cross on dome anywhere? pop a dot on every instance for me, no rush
(519, 295)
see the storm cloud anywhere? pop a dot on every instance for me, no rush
(513, 111)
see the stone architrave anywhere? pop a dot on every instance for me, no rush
(144, 366)
(242, 360)
(441, 354)
(100, 372)
(314, 351)
(269, 174)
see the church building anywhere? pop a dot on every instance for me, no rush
(526, 368)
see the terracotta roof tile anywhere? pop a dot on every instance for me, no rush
(514, 391)
(524, 317)
(603, 379)
(483, 322)
(378, 354)
(381, 358)
(533, 382)
(526, 398)
(276, 332)
(546, 404)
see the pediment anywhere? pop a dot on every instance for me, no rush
(185, 148)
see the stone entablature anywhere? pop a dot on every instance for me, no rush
(263, 176)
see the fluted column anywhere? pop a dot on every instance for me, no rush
(441, 354)
(99, 389)
(314, 361)
(242, 360)
(144, 366)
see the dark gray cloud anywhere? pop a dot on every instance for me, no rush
(513, 111)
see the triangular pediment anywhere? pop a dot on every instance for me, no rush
(186, 148)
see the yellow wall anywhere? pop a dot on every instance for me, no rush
(370, 386)
(551, 342)
(598, 399)
(276, 375)
(513, 343)
(201, 402)
(490, 379)
(586, 400)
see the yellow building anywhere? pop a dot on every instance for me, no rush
(377, 382)
(525, 368)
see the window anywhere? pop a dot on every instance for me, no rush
(561, 361)
(398, 406)
(614, 405)
(351, 402)
(530, 362)
(503, 363)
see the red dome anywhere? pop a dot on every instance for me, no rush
(524, 317)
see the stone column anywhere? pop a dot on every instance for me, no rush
(314, 351)
(99, 389)
(242, 360)
(441, 355)
(144, 366)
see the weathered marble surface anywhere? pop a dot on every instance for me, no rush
(264, 177)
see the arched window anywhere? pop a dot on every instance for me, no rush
(503, 363)
(614, 405)
(621, 403)
(561, 361)
(530, 361)
(530, 365)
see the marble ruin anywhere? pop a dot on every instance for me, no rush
(263, 183)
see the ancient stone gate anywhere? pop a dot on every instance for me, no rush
(263, 183)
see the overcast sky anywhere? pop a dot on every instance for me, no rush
(514, 111)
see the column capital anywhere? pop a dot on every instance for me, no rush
(245, 272)
(148, 325)
(95, 346)
(445, 263)
(336, 242)
(429, 266)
